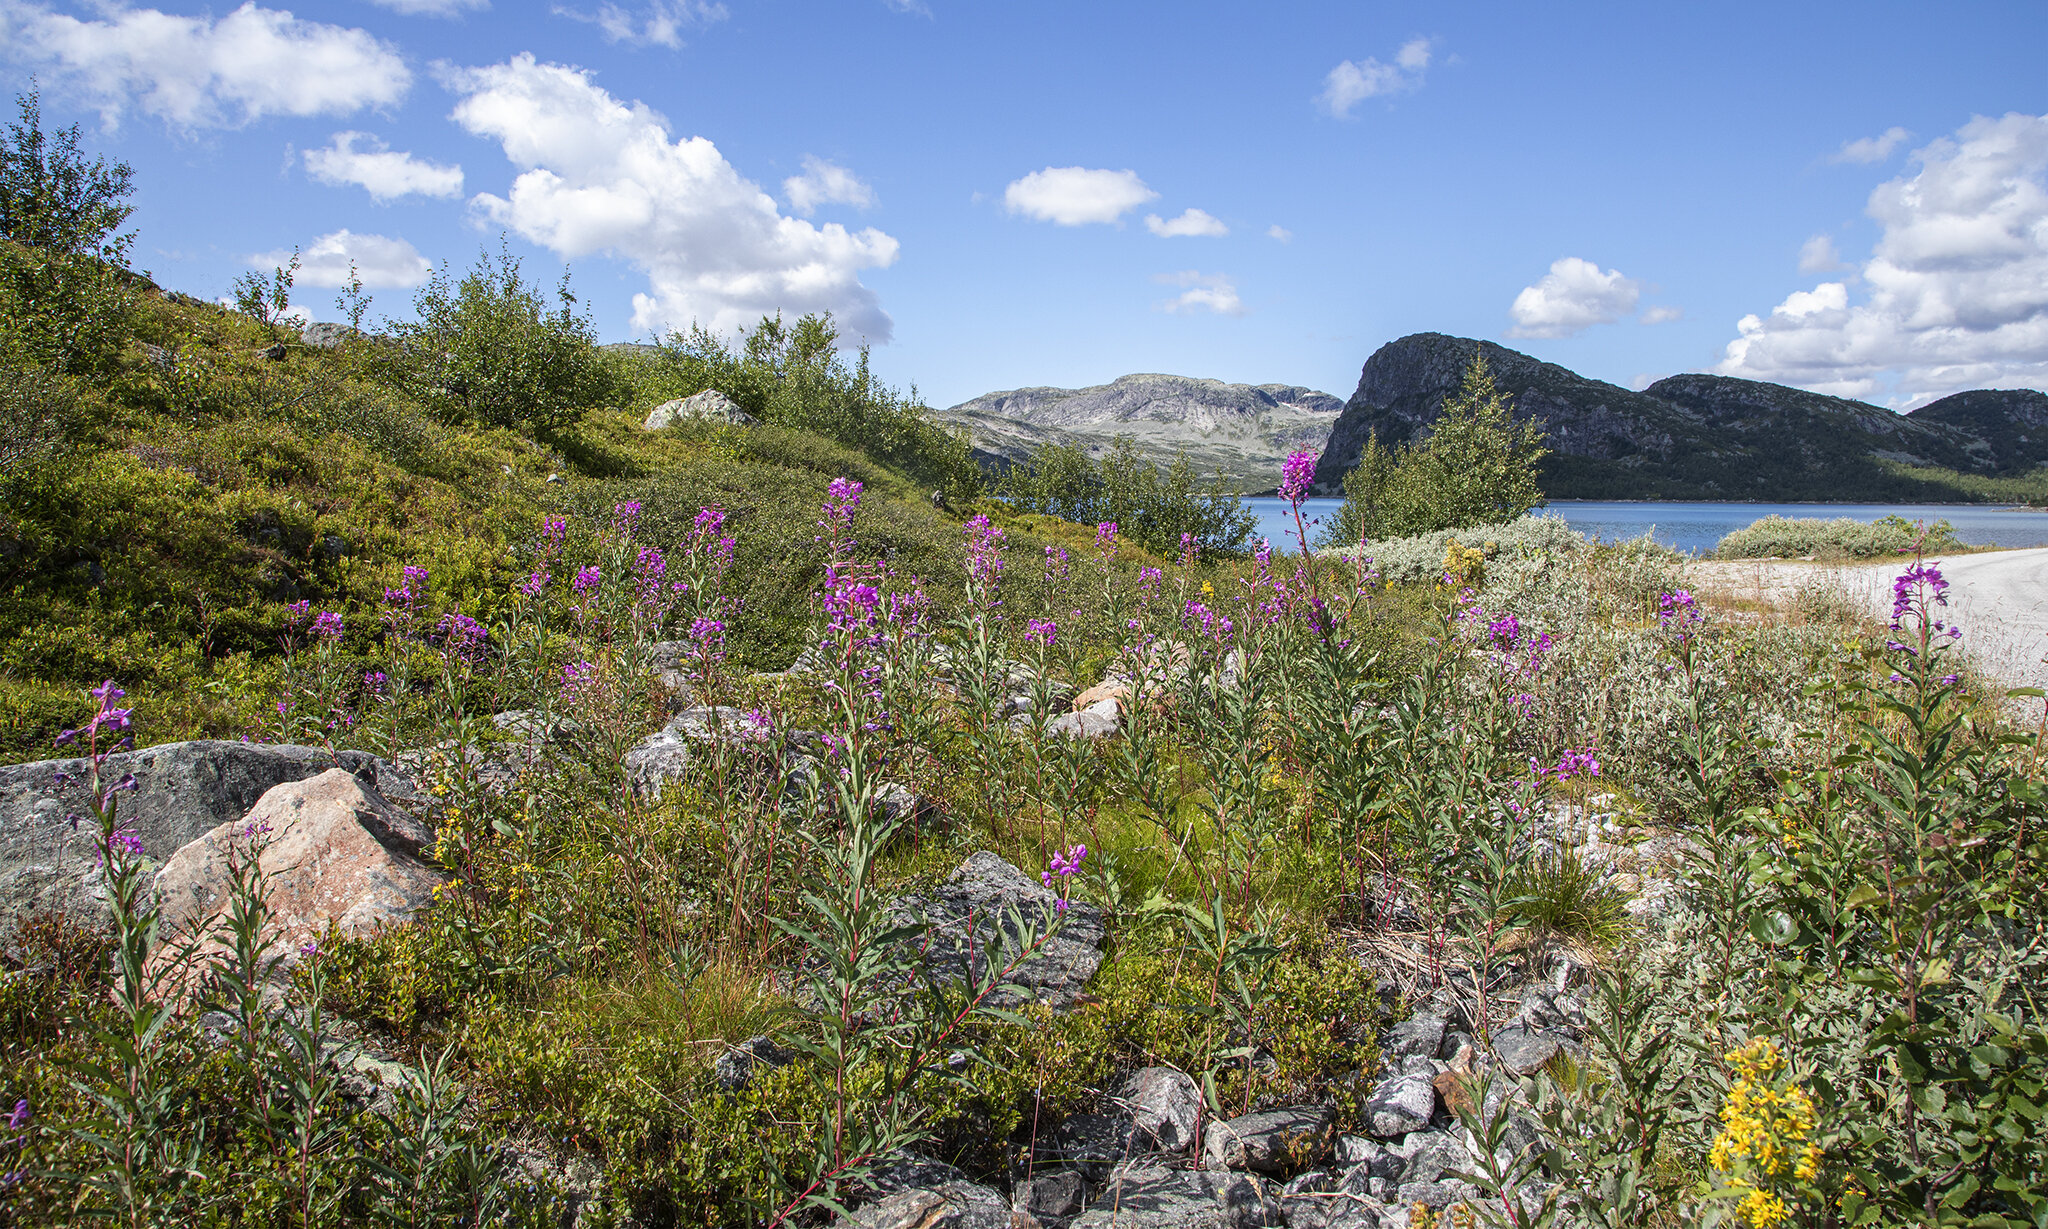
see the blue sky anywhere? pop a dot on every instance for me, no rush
(1848, 197)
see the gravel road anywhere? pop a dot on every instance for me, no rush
(1998, 598)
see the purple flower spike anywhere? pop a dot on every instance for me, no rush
(1295, 476)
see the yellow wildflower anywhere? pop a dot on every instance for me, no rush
(1766, 1142)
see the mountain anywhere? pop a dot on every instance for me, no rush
(1698, 436)
(1241, 431)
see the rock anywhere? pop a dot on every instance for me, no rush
(1379, 1160)
(666, 754)
(950, 1205)
(1278, 1141)
(1150, 1196)
(1336, 1199)
(1089, 724)
(972, 909)
(532, 727)
(1436, 1196)
(1420, 1034)
(1165, 1106)
(672, 665)
(1546, 1010)
(1426, 1156)
(1112, 690)
(735, 1068)
(709, 406)
(1090, 1144)
(903, 805)
(1399, 1105)
(333, 853)
(1049, 1199)
(49, 846)
(326, 334)
(1521, 1051)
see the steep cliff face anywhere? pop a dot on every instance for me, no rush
(1243, 431)
(1688, 436)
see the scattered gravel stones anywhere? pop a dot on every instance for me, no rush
(1278, 1141)
(1339, 1199)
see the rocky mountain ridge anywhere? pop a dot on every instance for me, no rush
(1242, 431)
(1698, 436)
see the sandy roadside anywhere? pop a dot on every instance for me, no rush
(1998, 598)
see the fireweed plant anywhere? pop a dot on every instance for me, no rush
(1308, 763)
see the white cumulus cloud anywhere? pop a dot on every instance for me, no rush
(1954, 295)
(1076, 196)
(387, 174)
(378, 260)
(1354, 81)
(1662, 314)
(1871, 149)
(431, 8)
(1818, 255)
(600, 175)
(1190, 222)
(825, 183)
(658, 22)
(203, 71)
(1573, 297)
(1203, 292)
(1279, 233)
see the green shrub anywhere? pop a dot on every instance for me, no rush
(1477, 467)
(487, 350)
(1152, 507)
(1421, 557)
(1782, 537)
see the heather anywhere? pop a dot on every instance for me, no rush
(1781, 537)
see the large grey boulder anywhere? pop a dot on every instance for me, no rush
(1047, 1200)
(49, 845)
(1148, 1195)
(709, 406)
(978, 908)
(1420, 1035)
(1280, 1141)
(1522, 1051)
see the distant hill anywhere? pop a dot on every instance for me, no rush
(1242, 431)
(1700, 436)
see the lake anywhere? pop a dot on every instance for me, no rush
(1698, 527)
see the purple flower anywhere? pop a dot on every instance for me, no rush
(1295, 476)
(1581, 763)
(586, 579)
(309, 949)
(1923, 581)
(295, 613)
(19, 1118)
(552, 531)
(327, 625)
(1106, 539)
(1042, 630)
(984, 552)
(463, 637)
(576, 677)
(1063, 866)
(1056, 566)
(842, 499)
(624, 517)
(535, 584)
(374, 682)
(1187, 550)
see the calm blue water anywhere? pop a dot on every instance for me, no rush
(1699, 526)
